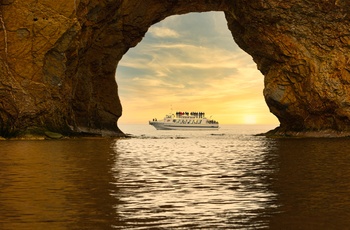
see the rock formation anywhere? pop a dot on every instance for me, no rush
(58, 59)
(301, 47)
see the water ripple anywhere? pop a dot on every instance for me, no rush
(213, 182)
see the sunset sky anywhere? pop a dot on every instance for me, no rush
(191, 63)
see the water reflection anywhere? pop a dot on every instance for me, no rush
(229, 181)
(313, 184)
(56, 185)
(194, 183)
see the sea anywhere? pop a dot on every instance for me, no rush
(229, 178)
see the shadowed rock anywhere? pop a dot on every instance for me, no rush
(58, 59)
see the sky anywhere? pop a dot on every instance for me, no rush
(191, 63)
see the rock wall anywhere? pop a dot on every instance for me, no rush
(58, 59)
(301, 47)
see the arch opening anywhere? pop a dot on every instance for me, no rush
(64, 81)
(191, 63)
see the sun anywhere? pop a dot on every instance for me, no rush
(249, 119)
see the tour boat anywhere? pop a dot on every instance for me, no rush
(185, 120)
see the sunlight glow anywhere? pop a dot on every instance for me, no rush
(250, 119)
(191, 63)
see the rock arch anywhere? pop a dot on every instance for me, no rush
(58, 59)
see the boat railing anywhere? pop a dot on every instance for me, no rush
(190, 114)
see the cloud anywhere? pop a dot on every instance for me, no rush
(163, 32)
(192, 63)
(169, 59)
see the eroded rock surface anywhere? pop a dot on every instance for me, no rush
(301, 47)
(58, 59)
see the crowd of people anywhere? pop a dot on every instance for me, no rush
(196, 114)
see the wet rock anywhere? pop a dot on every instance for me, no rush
(53, 135)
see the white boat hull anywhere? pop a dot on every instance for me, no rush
(159, 125)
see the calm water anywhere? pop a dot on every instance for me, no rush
(225, 179)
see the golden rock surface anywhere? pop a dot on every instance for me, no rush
(58, 59)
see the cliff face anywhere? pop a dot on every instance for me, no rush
(301, 47)
(58, 59)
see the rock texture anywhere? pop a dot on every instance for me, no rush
(58, 59)
(302, 48)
